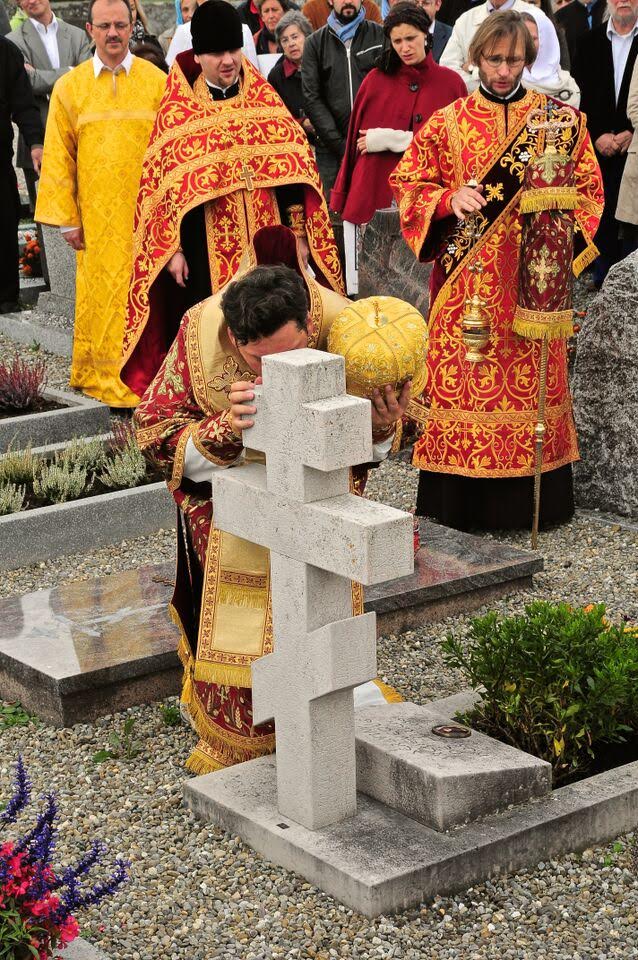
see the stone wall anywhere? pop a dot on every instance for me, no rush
(605, 387)
(387, 265)
(160, 15)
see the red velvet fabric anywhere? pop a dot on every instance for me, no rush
(401, 101)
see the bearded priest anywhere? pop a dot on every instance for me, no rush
(224, 159)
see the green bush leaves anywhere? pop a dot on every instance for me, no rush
(556, 682)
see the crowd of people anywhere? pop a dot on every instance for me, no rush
(202, 205)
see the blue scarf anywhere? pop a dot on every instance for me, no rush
(385, 8)
(346, 31)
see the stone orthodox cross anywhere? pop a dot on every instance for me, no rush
(321, 537)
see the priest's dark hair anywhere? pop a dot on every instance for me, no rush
(126, 3)
(404, 12)
(263, 301)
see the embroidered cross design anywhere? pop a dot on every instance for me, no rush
(543, 270)
(246, 176)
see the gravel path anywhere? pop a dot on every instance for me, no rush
(197, 893)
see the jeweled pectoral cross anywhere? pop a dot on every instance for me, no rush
(552, 120)
(246, 176)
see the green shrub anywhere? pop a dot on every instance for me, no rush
(86, 454)
(557, 682)
(125, 467)
(11, 498)
(59, 482)
(18, 466)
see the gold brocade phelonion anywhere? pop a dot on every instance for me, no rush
(383, 340)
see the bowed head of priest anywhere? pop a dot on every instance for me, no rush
(266, 312)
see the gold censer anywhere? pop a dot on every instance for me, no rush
(475, 324)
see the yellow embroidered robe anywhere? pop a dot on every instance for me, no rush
(96, 135)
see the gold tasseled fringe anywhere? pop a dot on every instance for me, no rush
(226, 675)
(536, 325)
(549, 198)
(390, 694)
(585, 259)
(217, 749)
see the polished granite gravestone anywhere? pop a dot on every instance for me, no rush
(73, 653)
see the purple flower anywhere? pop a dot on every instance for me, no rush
(21, 795)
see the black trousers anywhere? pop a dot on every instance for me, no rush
(482, 503)
(9, 220)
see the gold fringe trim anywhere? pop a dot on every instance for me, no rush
(225, 675)
(236, 596)
(391, 695)
(585, 259)
(549, 198)
(218, 749)
(199, 763)
(536, 325)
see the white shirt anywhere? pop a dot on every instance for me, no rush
(182, 41)
(49, 36)
(620, 46)
(125, 65)
(504, 6)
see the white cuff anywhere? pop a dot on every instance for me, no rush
(381, 450)
(68, 229)
(197, 468)
(379, 139)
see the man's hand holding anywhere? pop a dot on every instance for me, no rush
(606, 145)
(241, 398)
(467, 200)
(178, 268)
(75, 238)
(623, 140)
(387, 407)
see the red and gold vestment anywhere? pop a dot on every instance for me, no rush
(478, 419)
(229, 155)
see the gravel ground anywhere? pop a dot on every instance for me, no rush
(57, 367)
(197, 893)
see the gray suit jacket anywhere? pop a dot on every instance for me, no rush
(442, 34)
(73, 47)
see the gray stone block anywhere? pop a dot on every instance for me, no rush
(605, 388)
(83, 950)
(388, 266)
(441, 782)
(30, 327)
(79, 417)
(67, 528)
(61, 266)
(380, 861)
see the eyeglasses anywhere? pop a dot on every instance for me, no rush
(120, 26)
(510, 61)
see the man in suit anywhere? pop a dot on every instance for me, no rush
(50, 47)
(577, 20)
(5, 26)
(603, 70)
(440, 32)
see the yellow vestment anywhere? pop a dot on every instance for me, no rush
(96, 135)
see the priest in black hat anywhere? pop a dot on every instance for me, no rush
(225, 158)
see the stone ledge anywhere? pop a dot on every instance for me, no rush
(80, 417)
(21, 328)
(83, 950)
(380, 861)
(67, 528)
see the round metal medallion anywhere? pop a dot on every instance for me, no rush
(452, 731)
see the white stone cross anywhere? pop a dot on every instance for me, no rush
(321, 537)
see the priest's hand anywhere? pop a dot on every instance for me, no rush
(75, 238)
(387, 407)
(304, 250)
(241, 395)
(178, 268)
(467, 200)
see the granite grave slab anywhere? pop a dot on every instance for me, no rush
(77, 416)
(453, 572)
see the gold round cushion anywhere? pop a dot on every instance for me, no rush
(383, 340)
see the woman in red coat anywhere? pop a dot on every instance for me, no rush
(393, 102)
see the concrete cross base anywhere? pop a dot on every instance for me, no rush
(83, 950)
(380, 861)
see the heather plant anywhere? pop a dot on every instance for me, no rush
(557, 682)
(12, 498)
(86, 454)
(21, 384)
(125, 467)
(38, 904)
(58, 482)
(18, 466)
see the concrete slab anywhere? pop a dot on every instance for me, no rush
(78, 416)
(441, 782)
(83, 950)
(67, 528)
(85, 649)
(380, 861)
(29, 327)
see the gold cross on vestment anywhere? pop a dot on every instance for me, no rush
(543, 270)
(246, 176)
